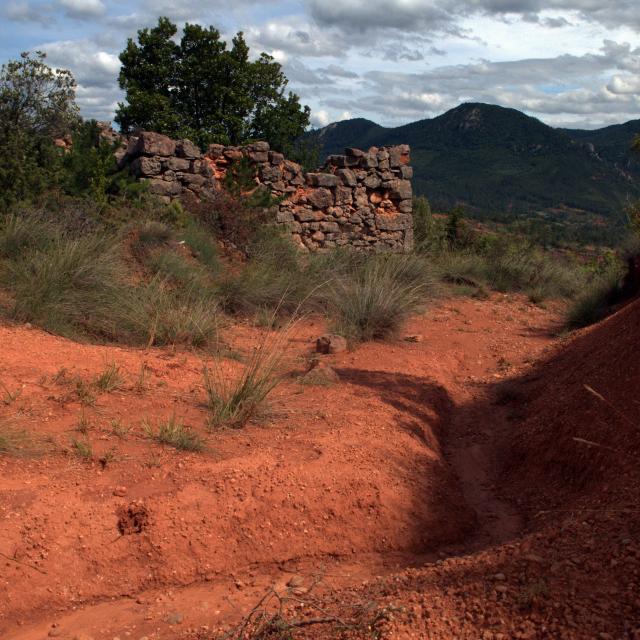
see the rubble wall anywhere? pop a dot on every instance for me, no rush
(361, 199)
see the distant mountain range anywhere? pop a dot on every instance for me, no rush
(496, 160)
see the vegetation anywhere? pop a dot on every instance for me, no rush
(507, 166)
(202, 90)
(174, 433)
(37, 105)
(375, 296)
(233, 402)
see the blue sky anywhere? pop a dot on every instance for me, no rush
(567, 62)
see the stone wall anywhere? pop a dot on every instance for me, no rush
(362, 199)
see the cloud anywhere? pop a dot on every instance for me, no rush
(596, 84)
(83, 9)
(23, 11)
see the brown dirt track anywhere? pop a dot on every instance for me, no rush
(441, 479)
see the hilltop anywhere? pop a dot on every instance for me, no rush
(494, 159)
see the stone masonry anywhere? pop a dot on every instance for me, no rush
(361, 199)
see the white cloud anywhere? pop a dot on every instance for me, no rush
(83, 9)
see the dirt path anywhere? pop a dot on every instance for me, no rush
(391, 468)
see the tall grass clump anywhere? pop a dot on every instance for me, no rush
(156, 313)
(595, 301)
(19, 234)
(202, 245)
(375, 297)
(174, 433)
(68, 286)
(234, 402)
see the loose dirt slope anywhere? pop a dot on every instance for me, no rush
(395, 467)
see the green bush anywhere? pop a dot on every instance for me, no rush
(156, 313)
(68, 286)
(233, 403)
(376, 296)
(595, 301)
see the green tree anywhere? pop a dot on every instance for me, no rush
(37, 105)
(204, 90)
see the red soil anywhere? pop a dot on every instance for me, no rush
(440, 478)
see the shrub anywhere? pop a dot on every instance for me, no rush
(110, 378)
(593, 304)
(234, 402)
(175, 434)
(380, 292)
(19, 234)
(203, 246)
(68, 286)
(158, 314)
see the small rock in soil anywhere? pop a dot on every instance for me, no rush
(331, 343)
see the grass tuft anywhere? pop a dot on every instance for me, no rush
(174, 433)
(110, 379)
(377, 296)
(233, 403)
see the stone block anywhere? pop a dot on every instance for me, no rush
(164, 187)
(149, 143)
(144, 166)
(307, 215)
(406, 172)
(187, 149)
(348, 177)
(372, 181)
(393, 221)
(259, 156)
(320, 198)
(405, 206)
(276, 158)
(178, 164)
(344, 195)
(327, 180)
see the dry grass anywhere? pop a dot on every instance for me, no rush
(174, 433)
(234, 402)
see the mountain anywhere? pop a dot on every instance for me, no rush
(498, 160)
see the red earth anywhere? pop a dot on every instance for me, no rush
(480, 481)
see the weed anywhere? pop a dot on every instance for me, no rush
(378, 295)
(84, 424)
(175, 434)
(8, 396)
(110, 378)
(595, 301)
(120, 430)
(12, 441)
(60, 376)
(84, 393)
(234, 402)
(82, 449)
(140, 385)
(107, 457)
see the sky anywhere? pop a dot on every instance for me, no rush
(572, 63)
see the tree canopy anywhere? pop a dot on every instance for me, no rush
(37, 104)
(204, 90)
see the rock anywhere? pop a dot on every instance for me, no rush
(413, 338)
(276, 158)
(406, 173)
(54, 632)
(321, 198)
(372, 181)
(320, 374)
(323, 180)
(164, 188)
(143, 166)
(149, 143)
(331, 343)
(295, 581)
(343, 195)
(178, 164)
(175, 618)
(120, 491)
(348, 177)
(393, 221)
(500, 577)
(354, 153)
(259, 156)
(260, 146)
(187, 149)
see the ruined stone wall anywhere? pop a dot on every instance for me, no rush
(362, 199)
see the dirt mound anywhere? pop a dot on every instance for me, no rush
(576, 427)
